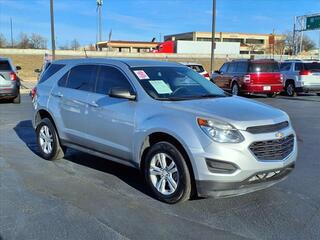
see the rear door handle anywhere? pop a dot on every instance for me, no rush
(59, 95)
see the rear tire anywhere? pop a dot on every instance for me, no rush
(271, 95)
(17, 99)
(167, 174)
(290, 89)
(235, 89)
(48, 141)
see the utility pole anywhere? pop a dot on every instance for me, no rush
(294, 37)
(319, 48)
(11, 32)
(53, 43)
(99, 31)
(213, 45)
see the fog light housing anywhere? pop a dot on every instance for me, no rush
(217, 166)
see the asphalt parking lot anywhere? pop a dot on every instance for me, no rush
(86, 197)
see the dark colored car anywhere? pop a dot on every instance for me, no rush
(9, 81)
(249, 77)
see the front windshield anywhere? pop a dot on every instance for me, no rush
(175, 83)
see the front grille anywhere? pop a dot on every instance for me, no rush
(273, 149)
(268, 128)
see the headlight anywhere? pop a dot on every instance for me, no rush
(220, 131)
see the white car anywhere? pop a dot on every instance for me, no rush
(198, 68)
(301, 76)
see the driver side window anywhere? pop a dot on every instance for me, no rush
(110, 77)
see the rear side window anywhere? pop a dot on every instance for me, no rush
(110, 77)
(242, 67)
(197, 68)
(264, 67)
(5, 66)
(82, 77)
(285, 66)
(52, 69)
(314, 66)
(298, 66)
(232, 67)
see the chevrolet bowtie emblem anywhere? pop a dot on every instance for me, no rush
(279, 135)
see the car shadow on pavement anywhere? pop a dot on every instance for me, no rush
(130, 176)
(25, 132)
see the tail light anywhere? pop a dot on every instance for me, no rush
(206, 75)
(281, 78)
(246, 79)
(33, 92)
(13, 76)
(304, 72)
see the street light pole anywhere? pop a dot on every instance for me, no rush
(213, 34)
(53, 43)
(11, 32)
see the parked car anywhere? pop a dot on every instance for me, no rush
(249, 77)
(9, 80)
(198, 68)
(185, 134)
(301, 76)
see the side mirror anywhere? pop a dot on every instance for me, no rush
(217, 72)
(122, 93)
(37, 70)
(18, 68)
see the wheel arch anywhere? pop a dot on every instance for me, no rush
(156, 137)
(41, 114)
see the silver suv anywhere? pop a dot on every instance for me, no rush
(185, 134)
(301, 76)
(9, 80)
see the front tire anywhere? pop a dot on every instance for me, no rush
(167, 174)
(318, 94)
(48, 141)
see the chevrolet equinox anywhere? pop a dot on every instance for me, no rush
(187, 136)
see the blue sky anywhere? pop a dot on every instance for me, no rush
(145, 19)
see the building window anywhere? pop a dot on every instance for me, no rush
(207, 39)
(240, 40)
(244, 52)
(255, 41)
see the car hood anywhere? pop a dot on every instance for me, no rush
(237, 111)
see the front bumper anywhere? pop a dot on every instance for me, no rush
(229, 189)
(246, 164)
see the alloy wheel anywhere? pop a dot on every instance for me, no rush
(46, 139)
(163, 173)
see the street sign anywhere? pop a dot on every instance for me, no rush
(313, 23)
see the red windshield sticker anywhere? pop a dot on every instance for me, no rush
(141, 74)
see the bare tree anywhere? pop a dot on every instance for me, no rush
(3, 41)
(292, 43)
(74, 44)
(37, 41)
(23, 41)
